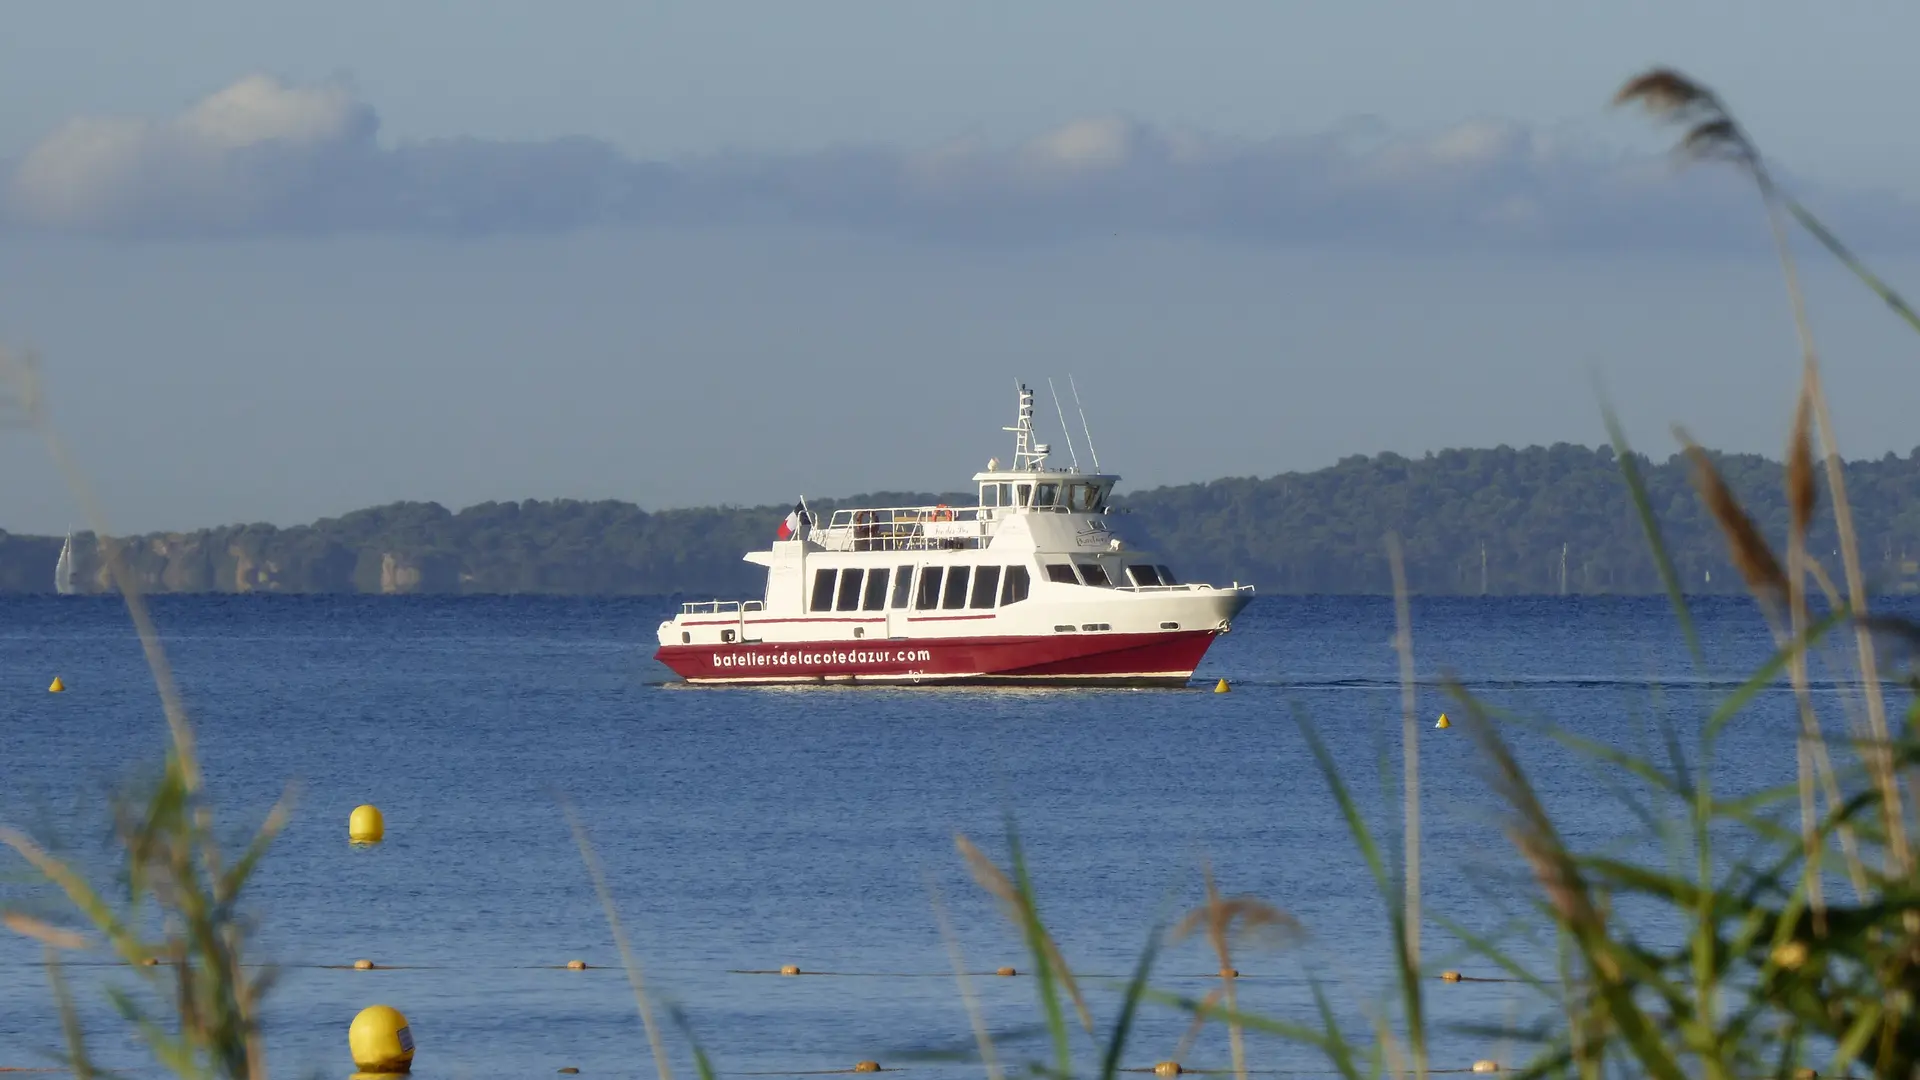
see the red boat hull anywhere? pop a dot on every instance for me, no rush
(1161, 659)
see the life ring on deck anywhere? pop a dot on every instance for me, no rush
(941, 513)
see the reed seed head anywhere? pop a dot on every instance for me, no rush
(1664, 92)
(1711, 132)
(1801, 495)
(1751, 555)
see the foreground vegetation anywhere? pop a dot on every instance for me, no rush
(1313, 532)
(1798, 908)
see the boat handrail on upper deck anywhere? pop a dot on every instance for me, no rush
(910, 528)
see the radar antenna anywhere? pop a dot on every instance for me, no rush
(1028, 456)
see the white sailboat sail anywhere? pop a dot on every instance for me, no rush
(63, 569)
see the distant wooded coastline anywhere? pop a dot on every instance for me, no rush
(1539, 520)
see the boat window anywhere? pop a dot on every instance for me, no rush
(1083, 498)
(902, 585)
(850, 589)
(929, 589)
(1142, 574)
(822, 590)
(1046, 494)
(1092, 573)
(1026, 495)
(985, 584)
(956, 595)
(1006, 494)
(1062, 573)
(1167, 578)
(876, 597)
(989, 494)
(1013, 587)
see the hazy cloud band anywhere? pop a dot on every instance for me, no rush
(262, 158)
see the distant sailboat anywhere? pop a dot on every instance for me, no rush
(63, 570)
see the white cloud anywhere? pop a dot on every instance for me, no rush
(1094, 143)
(229, 160)
(262, 157)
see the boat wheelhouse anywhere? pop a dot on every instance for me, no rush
(1030, 585)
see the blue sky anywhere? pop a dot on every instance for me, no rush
(283, 260)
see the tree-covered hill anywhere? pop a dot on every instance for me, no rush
(1513, 512)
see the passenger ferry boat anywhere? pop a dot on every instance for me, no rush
(1031, 586)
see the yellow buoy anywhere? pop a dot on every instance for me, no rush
(58, 687)
(380, 1040)
(1229, 973)
(365, 825)
(866, 1066)
(576, 965)
(1486, 1066)
(569, 1070)
(1443, 722)
(1221, 687)
(790, 969)
(1005, 972)
(1168, 1068)
(1449, 976)
(363, 965)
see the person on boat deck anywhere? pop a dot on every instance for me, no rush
(862, 530)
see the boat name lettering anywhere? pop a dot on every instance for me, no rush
(804, 658)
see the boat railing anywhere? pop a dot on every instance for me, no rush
(1193, 587)
(721, 607)
(909, 528)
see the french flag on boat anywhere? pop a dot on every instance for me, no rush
(795, 520)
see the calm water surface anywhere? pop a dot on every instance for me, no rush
(746, 829)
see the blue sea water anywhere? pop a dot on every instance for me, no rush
(752, 828)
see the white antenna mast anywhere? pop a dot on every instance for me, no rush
(1062, 414)
(1095, 454)
(1027, 454)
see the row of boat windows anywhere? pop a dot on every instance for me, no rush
(859, 589)
(1093, 572)
(953, 587)
(1077, 497)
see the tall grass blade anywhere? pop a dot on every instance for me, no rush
(702, 1064)
(1650, 525)
(1410, 784)
(982, 1039)
(1044, 953)
(1411, 992)
(628, 961)
(1129, 1006)
(1848, 259)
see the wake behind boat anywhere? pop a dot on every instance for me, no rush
(1031, 586)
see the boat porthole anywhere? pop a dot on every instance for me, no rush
(859, 631)
(1064, 628)
(1169, 626)
(686, 637)
(726, 636)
